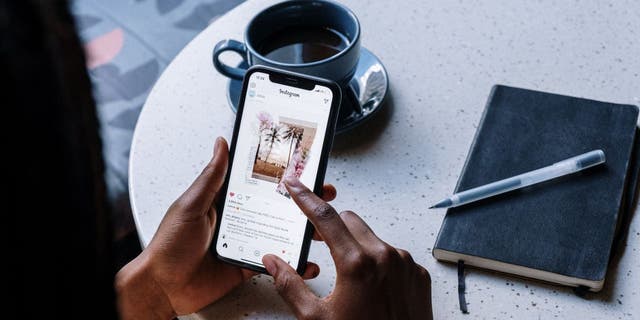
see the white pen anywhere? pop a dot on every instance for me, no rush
(558, 169)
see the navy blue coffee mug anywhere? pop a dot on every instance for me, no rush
(298, 20)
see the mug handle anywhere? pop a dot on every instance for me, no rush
(229, 45)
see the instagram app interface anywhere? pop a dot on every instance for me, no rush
(281, 134)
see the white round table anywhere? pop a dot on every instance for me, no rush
(442, 59)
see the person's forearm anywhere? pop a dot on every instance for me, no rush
(139, 296)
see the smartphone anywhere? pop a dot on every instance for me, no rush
(284, 126)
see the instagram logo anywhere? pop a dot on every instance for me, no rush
(289, 93)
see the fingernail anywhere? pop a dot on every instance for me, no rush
(292, 182)
(270, 265)
(216, 144)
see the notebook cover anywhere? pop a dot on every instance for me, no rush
(564, 226)
(629, 200)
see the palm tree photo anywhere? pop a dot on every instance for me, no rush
(282, 146)
(271, 137)
(265, 122)
(292, 134)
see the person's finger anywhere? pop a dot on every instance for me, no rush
(371, 243)
(200, 195)
(247, 274)
(312, 271)
(325, 219)
(329, 192)
(406, 256)
(360, 229)
(317, 236)
(291, 286)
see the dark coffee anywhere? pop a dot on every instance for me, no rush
(303, 44)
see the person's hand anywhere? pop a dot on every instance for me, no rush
(176, 274)
(374, 280)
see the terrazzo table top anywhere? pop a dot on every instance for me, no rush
(443, 59)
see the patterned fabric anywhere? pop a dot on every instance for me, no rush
(128, 43)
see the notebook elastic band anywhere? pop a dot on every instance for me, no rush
(581, 291)
(461, 287)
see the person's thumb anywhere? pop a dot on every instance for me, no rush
(198, 198)
(292, 288)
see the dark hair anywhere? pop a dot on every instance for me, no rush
(59, 234)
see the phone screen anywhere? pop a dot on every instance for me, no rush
(282, 131)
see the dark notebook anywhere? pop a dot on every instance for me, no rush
(559, 231)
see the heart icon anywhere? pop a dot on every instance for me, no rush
(232, 194)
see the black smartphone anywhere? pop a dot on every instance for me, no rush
(284, 126)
